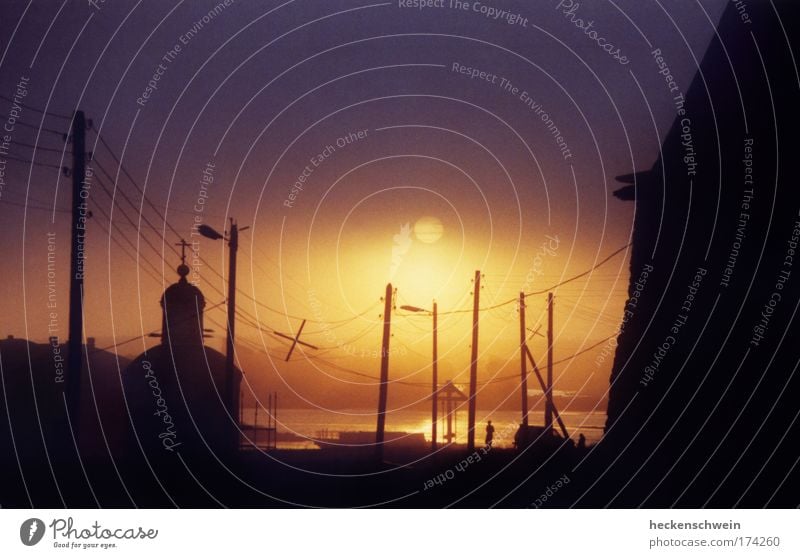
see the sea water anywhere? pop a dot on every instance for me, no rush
(315, 423)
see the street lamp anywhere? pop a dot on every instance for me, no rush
(231, 400)
(435, 381)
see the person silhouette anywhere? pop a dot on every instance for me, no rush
(581, 441)
(489, 434)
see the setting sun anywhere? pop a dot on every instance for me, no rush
(428, 229)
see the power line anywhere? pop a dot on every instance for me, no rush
(203, 260)
(40, 111)
(342, 322)
(41, 148)
(587, 272)
(171, 228)
(560, 361)
(247, 318)
(144, 197)
(35, 207)
(550, 288)
(43, 129)
(586, 350)
(363, 374)
(125, 215)
(156, 273)
(254, 320)
(133, 205)
(148, 334)
(589, 313)
(140, 232)
(121, 343)
(13, 158)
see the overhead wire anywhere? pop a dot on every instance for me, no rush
(40, 148)
(178, 235)
(154, 272)
(578, 276)
(548, 289)
(41, 128)
(251, 320)
(40, 111)
(37, 164)
(125, 251)
(35, 207)
(148, 334)
(560, 361)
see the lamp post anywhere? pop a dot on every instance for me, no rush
(435, 380)
(231, 399)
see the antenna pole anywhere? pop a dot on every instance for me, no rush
(384, 383)
(473, 369)
(523, 370)
(548, 403)
(80, 195)
(435, 379)
(231, 399)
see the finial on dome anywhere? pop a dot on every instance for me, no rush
(183, 269)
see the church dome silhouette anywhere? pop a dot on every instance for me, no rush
(182, 307)
(175, 391)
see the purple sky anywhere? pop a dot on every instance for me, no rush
(261, 89)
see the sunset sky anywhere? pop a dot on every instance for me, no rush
(409, 171)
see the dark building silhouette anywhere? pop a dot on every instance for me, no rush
(150, 431)
(40, 464)
(176, 390)
(702, 408)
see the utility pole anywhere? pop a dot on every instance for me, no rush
(523, 370)
(231, 398)
(473, 369)
(548, 409)
(77, 259)
(384, 383)
(435, 387)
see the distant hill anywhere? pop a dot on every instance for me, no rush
(33, 383)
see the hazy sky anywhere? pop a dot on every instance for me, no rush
(254, 97)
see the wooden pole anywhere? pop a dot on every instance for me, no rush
(77, 259)
(230, 398)
(548, 405)
(435, 381)
(384, 382)
(523, 368)
(473, 369)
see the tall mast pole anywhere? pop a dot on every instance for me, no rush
(231, 398)
(523, 370)
(473, 369)
(435, 386)
(548, 409)
(384, 382)
(77, 258)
